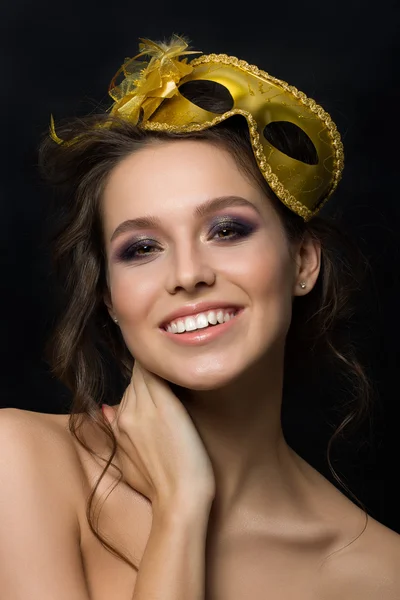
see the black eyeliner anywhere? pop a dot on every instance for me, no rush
(241, 227)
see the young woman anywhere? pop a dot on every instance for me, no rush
(193, 259)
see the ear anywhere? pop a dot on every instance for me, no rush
(308, 264)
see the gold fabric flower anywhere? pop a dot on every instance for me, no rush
(147, 84)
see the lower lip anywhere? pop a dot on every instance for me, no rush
(202, 336)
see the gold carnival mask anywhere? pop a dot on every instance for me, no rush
(149, 96)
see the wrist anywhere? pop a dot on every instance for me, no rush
(182, 508)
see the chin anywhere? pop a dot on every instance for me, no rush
(205, 377)
(182, 388)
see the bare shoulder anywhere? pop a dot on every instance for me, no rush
(50, 428)
(40, 529)
(367, 568)
(362, 561)
(69, 465)
(47, 440)
(382, 546)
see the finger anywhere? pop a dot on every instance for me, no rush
(144, 400)
(156, 386)
(108, 413)
(127, 409)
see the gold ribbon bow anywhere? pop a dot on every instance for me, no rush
(146, 85)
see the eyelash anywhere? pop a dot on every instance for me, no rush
(241, 231)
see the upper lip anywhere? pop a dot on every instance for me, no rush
(193, 309)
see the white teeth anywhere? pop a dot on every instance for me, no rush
(200, 322)
(181, 327)
(212, 318)
(220, 316)
(190, 324)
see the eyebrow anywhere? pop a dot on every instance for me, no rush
(202, 210)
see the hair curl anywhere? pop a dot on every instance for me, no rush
(86, 351)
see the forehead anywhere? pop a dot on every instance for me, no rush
(171, 176)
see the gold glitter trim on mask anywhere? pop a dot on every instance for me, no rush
(265, 168)
(272, 179)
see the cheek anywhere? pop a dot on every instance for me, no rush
(265, 271)
(133, 296)
(269, 285)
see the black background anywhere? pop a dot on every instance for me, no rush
(59, 58)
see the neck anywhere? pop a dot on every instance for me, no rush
(240, 426)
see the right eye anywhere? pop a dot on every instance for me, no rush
(133, 251)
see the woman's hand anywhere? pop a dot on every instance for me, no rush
(160, 451)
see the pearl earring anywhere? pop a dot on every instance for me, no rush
(116, 320)
(303, 285)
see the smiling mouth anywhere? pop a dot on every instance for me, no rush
(179, 328)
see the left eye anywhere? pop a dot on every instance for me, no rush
(227, 228)
(238, 229)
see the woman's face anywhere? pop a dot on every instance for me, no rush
(236, 254)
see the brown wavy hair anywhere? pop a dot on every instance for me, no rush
(86, 351)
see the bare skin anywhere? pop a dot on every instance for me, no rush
(246, 559)
(268, 499)
(277, 528)
(188, 263)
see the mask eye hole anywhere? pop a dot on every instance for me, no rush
(291, 140)
(208, 95)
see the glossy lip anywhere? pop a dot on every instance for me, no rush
(192, 310)
(200, 337)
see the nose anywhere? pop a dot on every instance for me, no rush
(189, 269)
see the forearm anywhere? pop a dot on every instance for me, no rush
(173, 564)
